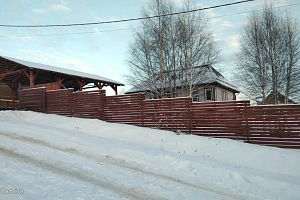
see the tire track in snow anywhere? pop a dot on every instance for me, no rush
(79, 174)
(121, 163)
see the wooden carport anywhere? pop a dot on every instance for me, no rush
(15, 73)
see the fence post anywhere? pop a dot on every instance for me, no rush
(43, 108)
(46, 103)
(246, 110)
(101, 104)
(73, 104)
(190, 116)
(142, 108)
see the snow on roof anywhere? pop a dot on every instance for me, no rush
(208, 75)
(136, 89)
(219, 78)
(62, 70)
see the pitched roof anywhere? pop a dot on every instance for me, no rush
(213, 76)
(65, 71)
(271, 98)
(207, 75)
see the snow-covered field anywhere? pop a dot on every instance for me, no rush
(55, 157)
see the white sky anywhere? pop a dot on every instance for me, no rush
(104, 53)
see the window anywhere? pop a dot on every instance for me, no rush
(195, 96)
(224, 96)
(209, 94)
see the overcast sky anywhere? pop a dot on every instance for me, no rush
(102, 49)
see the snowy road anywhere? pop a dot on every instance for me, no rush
(101, 171)
(53, 157)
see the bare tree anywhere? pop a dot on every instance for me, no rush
(167, 49)
(268, 62)
(292, 83)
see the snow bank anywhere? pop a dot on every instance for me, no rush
(271, 159)
(257, 171)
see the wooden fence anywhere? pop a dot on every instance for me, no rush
(60, 102)
(89, 104)
(124, 109)
(219, 119)
(6, 96)
(265, 125)
(276, 125)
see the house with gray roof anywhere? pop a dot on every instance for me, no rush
(208, 85)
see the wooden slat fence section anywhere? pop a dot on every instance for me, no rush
(219, 119)
(89, 104)
(33, 99)
(124, 109)
(167, 114)
(6, 96)
(59, 102)
(274, 125)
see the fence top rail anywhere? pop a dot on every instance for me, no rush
(88, 91)
(125, 95)
(170, 99)
(37, 88)
(61, 90)
(278, 106)
(123, 99)
(222, 102)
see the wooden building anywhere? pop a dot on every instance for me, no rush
(16, 74)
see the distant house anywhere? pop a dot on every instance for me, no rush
(211, 85)
(270, 99)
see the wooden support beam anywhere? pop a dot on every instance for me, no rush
(99, 85)
(114, 87)
(14, 99)
(7, 69)
(59, 79)
(17, 78)
(14, 87)
(80, 83)
(36, 75)
(26, 74)
(31, 77)
(2, 76)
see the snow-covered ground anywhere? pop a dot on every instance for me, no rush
(55, 157)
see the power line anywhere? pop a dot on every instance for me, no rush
(126, 29)
(122, 20)
(76, 33)
(295, 4)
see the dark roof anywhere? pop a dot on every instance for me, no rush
(47, 73)
(207, 75)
